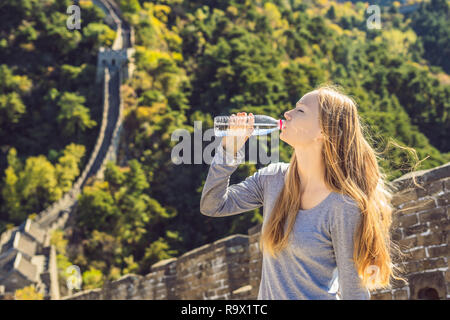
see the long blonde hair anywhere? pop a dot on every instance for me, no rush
(351, 168)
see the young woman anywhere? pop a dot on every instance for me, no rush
(326, 214)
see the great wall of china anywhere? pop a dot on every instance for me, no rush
(26, 256)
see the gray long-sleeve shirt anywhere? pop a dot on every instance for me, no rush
(318, 261)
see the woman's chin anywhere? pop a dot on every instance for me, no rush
(283, 138)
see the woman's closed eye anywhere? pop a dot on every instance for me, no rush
(300, 110)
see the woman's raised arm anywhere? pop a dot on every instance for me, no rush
(219, 199)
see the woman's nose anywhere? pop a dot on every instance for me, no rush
(286, 115)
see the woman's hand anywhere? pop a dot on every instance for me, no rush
(239, 130)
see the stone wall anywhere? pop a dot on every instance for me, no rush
(230, 268)
(421, 227)
(121, 53)
(57, 214)
(214, 271)
(112, 73)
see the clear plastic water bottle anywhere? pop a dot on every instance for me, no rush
(263, 125)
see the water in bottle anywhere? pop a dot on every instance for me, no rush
(263, 125)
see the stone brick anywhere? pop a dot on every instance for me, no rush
(440, 226)
(430, 264)
(395, 223)
(396, 234)
(401, 295)
(443, 200)
(220, 275)
(418, 254)
(431, 188)
(434, 238)
(415, 230)
(442, 251)
(417, 206)
(253, 231)
(209, 293)
(381, 296)
(399, 284)
(436, 214)
(223, 291)
(413, 266)
(409, 243)
(447, 184)
(404, 196)
(408, 220)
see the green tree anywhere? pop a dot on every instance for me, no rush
(97, 208)
(12, 90)
(31, 187)
(119, 220)
(130, 6)
(331, 13)
(430, 22)
(37, 185)
(92, 279)
(99, 35)
(67, 168)
(74, 117)
(28, 293)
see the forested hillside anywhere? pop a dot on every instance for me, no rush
(194, 60)
(49, 102)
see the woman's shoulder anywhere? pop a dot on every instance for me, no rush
(344, 206)
(274, 169)
(344, 200)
